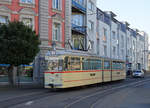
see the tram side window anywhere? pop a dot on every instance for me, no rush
(75, 63)
(66, 63)
(60, 65)
(114, 65)
(98, 64)
(85, 64)
(106, 65)
(91, 64)
(117, 65)
(53, 65)
(121, 66)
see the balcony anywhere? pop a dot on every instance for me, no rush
(78, 7)
(78, 29)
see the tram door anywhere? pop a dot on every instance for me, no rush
(106, 71)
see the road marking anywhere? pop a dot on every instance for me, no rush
(141, 84)
(131, 84)
(29, 103)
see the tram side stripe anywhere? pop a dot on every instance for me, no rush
(81, 71)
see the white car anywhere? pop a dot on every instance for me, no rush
(138, 73)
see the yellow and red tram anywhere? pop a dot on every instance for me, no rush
(67, 71)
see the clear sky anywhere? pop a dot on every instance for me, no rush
(135, 12)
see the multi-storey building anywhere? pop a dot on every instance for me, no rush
(80, 24)
(26, 11)
(51, 32)
(20, 10)
(77, 25)
(128, 48)
(52, 23)
(142, 50)
(103, 34)
(91, 26)
(117, 41)
(114, 37)
(122, 41)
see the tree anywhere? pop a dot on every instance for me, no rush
(19, 44)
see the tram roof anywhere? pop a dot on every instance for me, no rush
(80, 53)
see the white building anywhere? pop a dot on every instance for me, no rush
(122, 41)
(103, 34)
(91, 25)
(80, 18)
(117, 40)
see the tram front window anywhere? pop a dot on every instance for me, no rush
(55, 65)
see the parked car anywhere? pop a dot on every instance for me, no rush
(138, 73)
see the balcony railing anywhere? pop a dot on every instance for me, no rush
(78, 6)
(80, 29)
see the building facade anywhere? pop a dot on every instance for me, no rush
(51, 32)
(20, 10)
(26, 11)
(117, 40)
(103, 34)
(80, 25)
(77, 25)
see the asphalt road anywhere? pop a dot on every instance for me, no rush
(131, 93)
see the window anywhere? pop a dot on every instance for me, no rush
(114, 35)
(91, 64)
(81, 2)
(104, 34)
(128, 41)
(122, 53)
(106, 65)
(75, 63)
(28, 22)
(3, 19)
(114, 51)
(57, 4)
(105, 50)
(27, 1)
(122, 41)
(133, 45)
(117, 66)
(78, 43)
(91, 6)
(97, 46)
(56, 32)
(91, 25)
(78, 19)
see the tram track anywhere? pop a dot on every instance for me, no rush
(83, 95)
(23, 99)
(89, 101)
